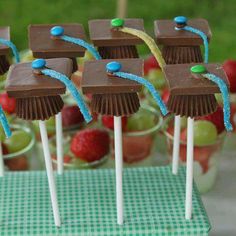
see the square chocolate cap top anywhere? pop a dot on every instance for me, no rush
(23, 83)
(44, 46)
(166, 34)
(101, 34)
(182, 82)
(96, 81)
(4, 34)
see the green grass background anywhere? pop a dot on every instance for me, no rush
(221, 15)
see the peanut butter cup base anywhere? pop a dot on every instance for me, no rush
(118, 52)
(121, 104)
(4, 64)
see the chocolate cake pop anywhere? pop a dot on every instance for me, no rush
(191, 88)
(55, 41)
(37, 92)
(181, 46)
(114, 86)
(113, 44)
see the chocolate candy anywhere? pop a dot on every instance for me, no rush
(190, 95)
(113, 44)
(4, 50)
(37, 96)
(112, 95)
(180, 46)
(44, 45)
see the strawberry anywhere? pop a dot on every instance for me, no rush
(90, 144)
(217, 118)
(229, 67)
(4, 149)
(150, 63)
(165, 95)
(233, 115)
(8, 104)
(71, 115)
(66, 158)
(108, 121)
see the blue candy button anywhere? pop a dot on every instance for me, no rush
(57, 31)
(113, 66)
(38, 64)
(180, 20)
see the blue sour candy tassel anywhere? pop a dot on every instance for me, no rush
(13, 48)
(4, 123)
(225, 95)
(74, 92)
(148, 85)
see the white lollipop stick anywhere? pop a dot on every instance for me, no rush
(121, 8)
(59, 139)
(1, 162)
(176, 143)
(119, 167)
(189, 173)
(51, 180)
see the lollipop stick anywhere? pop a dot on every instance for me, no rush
(189, 174)
(1, 162)
(119, 167)
(59, 135)
(175, 158)
(51, 180)
(121, 8)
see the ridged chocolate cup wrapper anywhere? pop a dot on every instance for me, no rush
(116, 52)
(192, 105)
(38, 108)
(121, 104)
(4, 64)
(181, 54)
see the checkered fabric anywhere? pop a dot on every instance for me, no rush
(153, 197)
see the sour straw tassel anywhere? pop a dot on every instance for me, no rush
(149, 41)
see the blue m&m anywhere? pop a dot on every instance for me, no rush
(113, 66)
(180, 20)
(38, 64)
(57, 31)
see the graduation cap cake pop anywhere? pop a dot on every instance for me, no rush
(37, 88)
(55, 41)
(5, 45)
(181, 46)
(114, 86)
(113, 44)
(192, 87)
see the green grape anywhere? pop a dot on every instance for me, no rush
(18, 141)
(155, 76)
(205, 133)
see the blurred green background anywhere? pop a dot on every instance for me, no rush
(220, 14)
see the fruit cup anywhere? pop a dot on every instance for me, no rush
(207, 151)
(18, 150)
(139, 132)
(70, 160)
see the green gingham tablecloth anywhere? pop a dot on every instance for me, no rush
(153, 198)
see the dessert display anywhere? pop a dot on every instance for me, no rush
(113, 44)
(192, 87)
